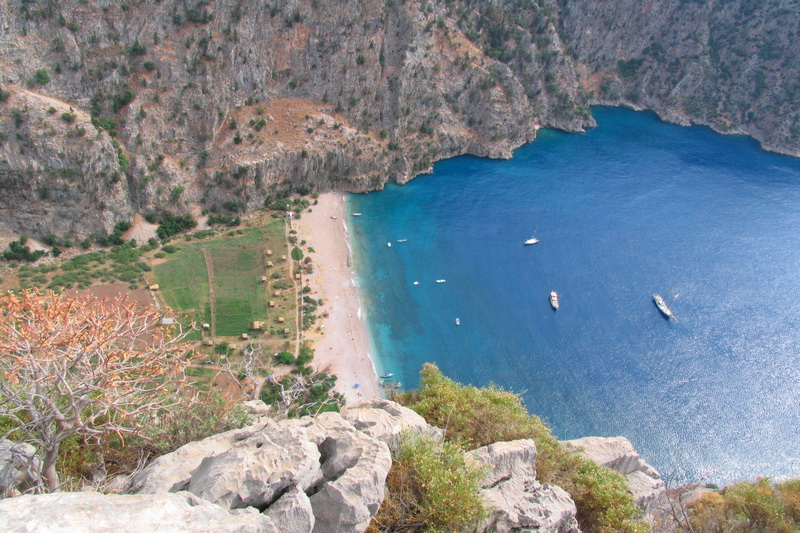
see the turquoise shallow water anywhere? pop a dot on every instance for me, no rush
(633, 207)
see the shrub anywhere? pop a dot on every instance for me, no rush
(431, 487)
(478, 417)
(285, 358)
(42, 76)
(297, 254)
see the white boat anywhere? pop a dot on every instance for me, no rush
(402, 240)
(458, 321)
(663, 306)
(416, 283)
(389, 244)
(532, 240)
(440, 280)
(387, 375)
(356, 214)
(554, 300)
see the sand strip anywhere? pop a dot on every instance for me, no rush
(342, 344)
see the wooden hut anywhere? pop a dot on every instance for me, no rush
(153, 287)
(269, 264)
(281, 320)
(257, 326)
(263, 279)
(245, 336)
(269, 252)
(272, 303)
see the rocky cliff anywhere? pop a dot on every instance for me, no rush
(296, 476)
(112, 108)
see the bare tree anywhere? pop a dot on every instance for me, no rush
(77, 365)
(244, 370)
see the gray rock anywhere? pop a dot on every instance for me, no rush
(519, 502)
(171, 472)
(86, 512)
(321, 473)
(256, 408)
(292, 512)
(618, 454)
(386, 421)
(257, 470)
(17, 461)
(354, 466)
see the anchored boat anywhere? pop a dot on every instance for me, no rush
(663, 306)
(532, 240)
(554, 300)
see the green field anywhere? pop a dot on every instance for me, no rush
(237, 264)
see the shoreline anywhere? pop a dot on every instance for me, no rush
(341, 341)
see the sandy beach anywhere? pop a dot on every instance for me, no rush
(342, 344)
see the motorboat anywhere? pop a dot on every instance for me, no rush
(389, 244)
(532, 240)
(402, 240)
(387, 375)
(416, 283)
(554, 300)
(356, 214)
(440, 280)
(458, 321)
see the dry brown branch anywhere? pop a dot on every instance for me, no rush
(78, 365)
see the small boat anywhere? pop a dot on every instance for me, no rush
(458, 321)
(440, 280)
(662, 305)
(387, 375)
(402, 240)
(356, 214)
(532, 240)
(554, 300)
(333, 217)
(416, 283)
(389, 244)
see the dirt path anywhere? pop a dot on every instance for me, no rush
(212, 299)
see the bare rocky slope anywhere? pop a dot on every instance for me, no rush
(115, 108)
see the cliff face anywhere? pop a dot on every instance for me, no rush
(733, 65)
(218, 104)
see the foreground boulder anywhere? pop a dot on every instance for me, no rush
(618, 454)
(319, 474)
(519, 502)
(386, 421)
(81, 512)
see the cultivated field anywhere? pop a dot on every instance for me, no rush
(218, 282)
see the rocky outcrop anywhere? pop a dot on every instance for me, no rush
(321, 474)
(518, 501)
(81, 512)
(618, 454)
(387, 421)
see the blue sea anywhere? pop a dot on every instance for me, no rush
(631, 208)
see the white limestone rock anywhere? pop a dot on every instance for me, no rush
(618, 454)
(171, 472)
(386, 420)
(89, 512)
(256, 470)
(292, 512)
(519, 502)
(354, 466)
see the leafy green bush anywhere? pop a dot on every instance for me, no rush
(297, 254)
(285, 358)
(478, 417)
(431, 487)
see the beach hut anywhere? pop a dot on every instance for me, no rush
(153, 287)
(206, 326)
(167, 321)
(281, 320)
(257, 326)
(269, 264)
(269, 252)
(263, 279)
(245, 336)
(277, 293)
(272, 303)
(208, 342)
(286, 331)
(283, 258)
(297, 276)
